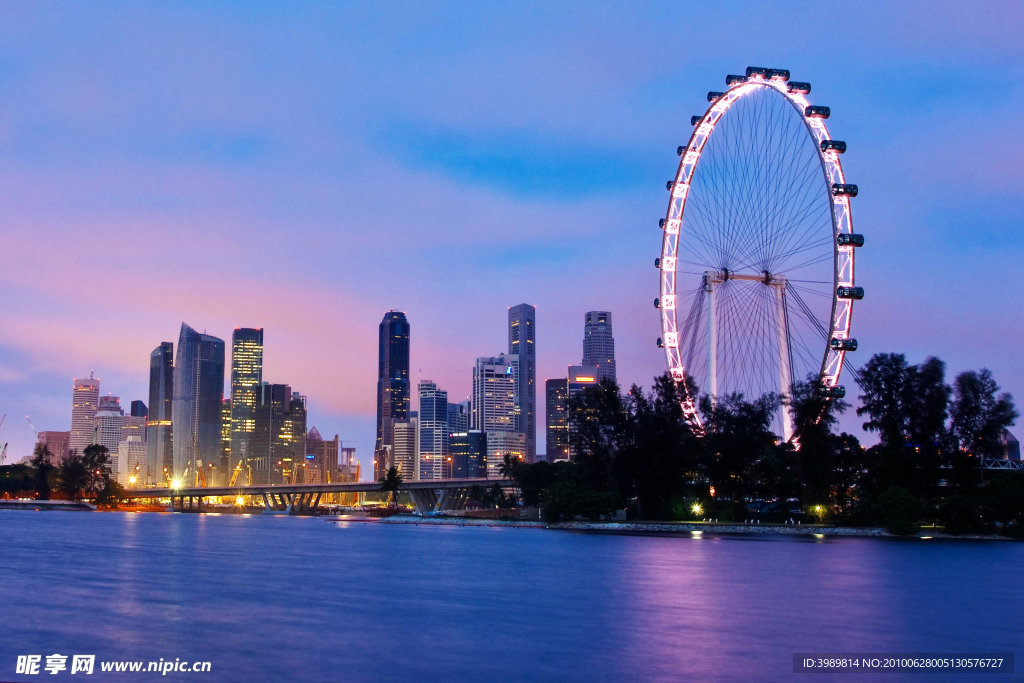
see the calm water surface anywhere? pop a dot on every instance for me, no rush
(301, 599)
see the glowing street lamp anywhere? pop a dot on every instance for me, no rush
(697, 509)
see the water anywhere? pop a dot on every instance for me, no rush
(301, 599)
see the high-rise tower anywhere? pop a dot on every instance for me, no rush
(392, 386)
(158, 426)
(198, 396)
(522, 347)
(598, 344)
(246, 376)
(433, 418)
(84, 400)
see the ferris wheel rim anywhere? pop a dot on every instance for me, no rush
(840, 214)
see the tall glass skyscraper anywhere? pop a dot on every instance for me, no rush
(392, 386)
(158, 425)
(278, 445)
(246, 376)
(598, 344)
(522, 323)
(84, 401)
(557, 426)
(198, 396)
(433, 418)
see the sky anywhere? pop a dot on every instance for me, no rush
(305, 167)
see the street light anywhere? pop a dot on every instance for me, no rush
(697, 509)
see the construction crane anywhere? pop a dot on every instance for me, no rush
(238, 470)
(3, 451)
(32, 425)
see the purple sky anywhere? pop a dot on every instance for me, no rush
(304, 169)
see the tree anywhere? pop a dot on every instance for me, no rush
(42, 462)
(883, 381)
(391, 483)
(657, 452)
(73, 476)
(814, 416)
(978, 416)
(737, 434)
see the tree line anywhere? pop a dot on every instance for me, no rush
(78, 476)
(636, 450)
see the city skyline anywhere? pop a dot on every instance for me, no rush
(221, 169)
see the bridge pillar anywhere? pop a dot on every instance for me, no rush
(425, 500)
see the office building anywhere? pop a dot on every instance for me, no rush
(159, 454)
(433, 420)
(581, 377)
(108, 422)
(522, 323)
(392, 386)
(224, 467)
(458, 417)
(278, 445)
(598, 344)
(84, 399)
(500, 444)
(58, 443)
(468, 453)
(198, 396)
(246, 377)
(556, 422)
(139, 409)
(134, 425)
(349, 469)
(406, 448)
(128, 464)
(324, 454)
(493, 408)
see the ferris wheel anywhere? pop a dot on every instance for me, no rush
(757, 255)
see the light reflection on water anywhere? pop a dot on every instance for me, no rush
(301, 599)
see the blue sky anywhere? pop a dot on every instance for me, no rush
(305, 167)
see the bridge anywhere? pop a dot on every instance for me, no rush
(435, 495)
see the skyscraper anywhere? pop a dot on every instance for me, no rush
(494, 399)
(405, 450)
(108, 422)
(223, 473)
(246, 376)
(556, 424)
(458, 417)
(196, 409)
(84, 400)
(278, 444)
(139, 409)
(159, 453)
(598, 344)
(433, 417)
(468, 451)
(57, 442)
(581, 377)
(522, 348)
(392, 385)
(500, 444)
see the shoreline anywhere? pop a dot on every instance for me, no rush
(685, 528)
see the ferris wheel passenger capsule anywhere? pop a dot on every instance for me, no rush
(661, 343)
(669, 184)
(846, 239)
(680, 149)
(733, 79)
(657, 263)
(798, 88)
(833, 145)
(694, 120)
(778, 74)
(714, 95)
(843, 344)
(657, 303)
(661, 223)
(850, 292)
(817, 111)
(844, 190)
(834, 392)
(757, 72)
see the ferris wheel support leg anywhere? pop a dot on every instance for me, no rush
(785, 360)
(712, 339)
